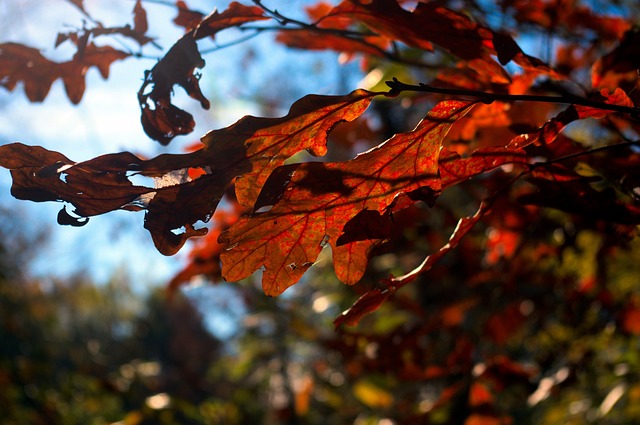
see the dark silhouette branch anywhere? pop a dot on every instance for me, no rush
(397, 87)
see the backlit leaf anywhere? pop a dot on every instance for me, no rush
(175, 203)
(320, 198)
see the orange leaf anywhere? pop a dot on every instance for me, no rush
(320, 198)
(268, 142)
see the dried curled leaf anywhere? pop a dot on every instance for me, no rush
(176, 203)
(162, 120)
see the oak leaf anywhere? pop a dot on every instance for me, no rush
(19, 63)
(161, 119)
(251, 148)
(319, 199)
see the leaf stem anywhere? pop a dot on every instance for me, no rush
(587, 152)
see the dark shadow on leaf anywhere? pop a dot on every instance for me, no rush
(366, 225)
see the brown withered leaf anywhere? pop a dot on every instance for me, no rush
(19, 63)
(140, 24)
(177, 203)
(187, 18)
(161, 119)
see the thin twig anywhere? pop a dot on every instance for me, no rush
(355, 36)
(398, 87)
(587, 152)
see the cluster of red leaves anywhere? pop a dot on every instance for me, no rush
(517, 155)
(300, 208)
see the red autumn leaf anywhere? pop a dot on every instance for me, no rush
(235, 15)
(320, 198)
(187, 18)
(269, 141)
(324, 17)
(360, 239)
(454, 168)
(303, 39)
(140, 24)
(620, 65)
(19, 63)
(433, 24)
(552, 128)
(251, 149)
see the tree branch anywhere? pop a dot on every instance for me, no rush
(397, 87)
